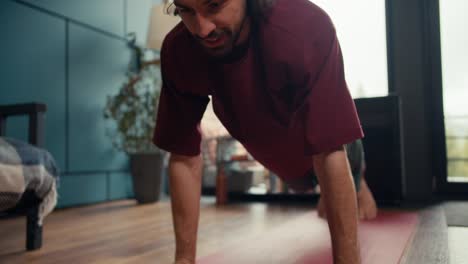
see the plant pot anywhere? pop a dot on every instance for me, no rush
(146, 170)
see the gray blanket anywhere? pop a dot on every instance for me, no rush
(26, 167)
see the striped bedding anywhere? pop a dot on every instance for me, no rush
(26, 167)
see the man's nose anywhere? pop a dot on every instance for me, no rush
(204, 26)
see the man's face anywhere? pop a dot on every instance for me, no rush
(218, 25)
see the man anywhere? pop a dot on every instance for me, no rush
(275, 73)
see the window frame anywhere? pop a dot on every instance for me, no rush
(434, 100)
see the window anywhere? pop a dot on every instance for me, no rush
(361, 30)
(454, 40)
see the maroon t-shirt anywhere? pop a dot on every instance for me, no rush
(283, 95)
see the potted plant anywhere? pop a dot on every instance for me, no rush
(133, 110)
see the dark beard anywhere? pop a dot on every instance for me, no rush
(230, 49)
(219, 51)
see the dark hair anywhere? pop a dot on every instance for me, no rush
(256, 9)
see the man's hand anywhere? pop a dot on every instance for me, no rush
(339, 197)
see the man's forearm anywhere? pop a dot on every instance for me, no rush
(185, 183)
(339, 196)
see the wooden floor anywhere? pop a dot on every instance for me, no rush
(121, 232)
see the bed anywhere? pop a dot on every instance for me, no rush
(29, 175)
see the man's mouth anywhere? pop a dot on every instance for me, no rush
(214, 42)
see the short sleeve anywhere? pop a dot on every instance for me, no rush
(178, 119)
(327, 113)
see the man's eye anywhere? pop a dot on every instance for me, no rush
(182, 10)
(214, 5)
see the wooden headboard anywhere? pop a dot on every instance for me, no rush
(35, 112)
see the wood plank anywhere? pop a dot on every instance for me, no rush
(121, 232)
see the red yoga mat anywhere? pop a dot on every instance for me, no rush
(305, 240)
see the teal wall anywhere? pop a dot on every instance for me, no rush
(68, 55)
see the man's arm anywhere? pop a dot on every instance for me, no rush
(339, 196)
(185, 185)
